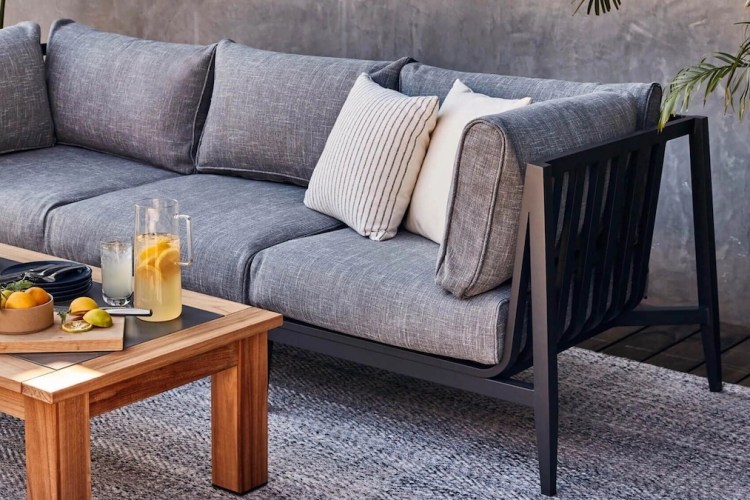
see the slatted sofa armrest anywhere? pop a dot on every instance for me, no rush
(477, 252)
(585, 234)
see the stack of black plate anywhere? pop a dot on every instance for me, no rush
(67, 285)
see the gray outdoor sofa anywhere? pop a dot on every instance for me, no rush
(234, 133)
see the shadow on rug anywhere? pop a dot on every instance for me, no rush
(339, 430)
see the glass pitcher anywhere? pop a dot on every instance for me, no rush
(156, 255)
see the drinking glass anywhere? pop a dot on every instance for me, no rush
(117, 272)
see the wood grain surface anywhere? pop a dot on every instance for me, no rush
(54, 339)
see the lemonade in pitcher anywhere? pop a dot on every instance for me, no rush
(156, 255)
(158, 275)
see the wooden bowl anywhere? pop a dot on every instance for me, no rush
(22, 321)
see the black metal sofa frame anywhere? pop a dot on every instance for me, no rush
(584, 241)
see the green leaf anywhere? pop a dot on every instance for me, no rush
(19, 286)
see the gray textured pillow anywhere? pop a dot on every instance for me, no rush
(25, 120)
(271, 113)
(421, 79)
(135, 98)
(479, 246)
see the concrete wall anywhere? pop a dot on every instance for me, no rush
(645, 41)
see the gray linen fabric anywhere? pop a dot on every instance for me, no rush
(382, 291)
(477, 253)
(421, 79)
(34, 182)
(134, 98)
(25, 119)
(233, 219)
(271, 113)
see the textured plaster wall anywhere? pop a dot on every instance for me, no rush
(646, 41)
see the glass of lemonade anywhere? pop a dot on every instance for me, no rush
(158, 266)
(117, 272)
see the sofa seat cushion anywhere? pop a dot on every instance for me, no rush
(233, 219)
(25, 119)
(34, 182)
(134, 98)
(381, 291)
(271, 113)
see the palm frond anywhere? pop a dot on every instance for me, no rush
(598, 6)
(733, 72)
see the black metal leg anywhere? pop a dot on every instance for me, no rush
(705, 250)
(546, 420)
(543, 325)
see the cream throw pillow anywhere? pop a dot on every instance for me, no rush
(429, 203)
(372, 158)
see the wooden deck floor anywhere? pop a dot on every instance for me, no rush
(677, 348)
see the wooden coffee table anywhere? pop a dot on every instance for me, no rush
(57, 399)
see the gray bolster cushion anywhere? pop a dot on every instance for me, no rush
(477, 253)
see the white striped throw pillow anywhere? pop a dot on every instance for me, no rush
(371, 161)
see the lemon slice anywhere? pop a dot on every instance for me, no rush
(167, 262)
(76, 326)
(153, 250)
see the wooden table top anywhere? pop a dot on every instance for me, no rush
(51, 384)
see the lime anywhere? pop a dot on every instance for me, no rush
(76, 326)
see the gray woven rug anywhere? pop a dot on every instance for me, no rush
(338, 430)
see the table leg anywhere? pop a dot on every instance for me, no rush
(239, 419)
(58, 453)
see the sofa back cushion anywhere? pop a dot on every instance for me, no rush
(25, 120)
(421, 79)
(129, 97)
(271, 113)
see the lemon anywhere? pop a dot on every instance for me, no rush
(82, 305)
(98, 317)
(4, 294)
(38, 294)
(76, 326)
(20, 300)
